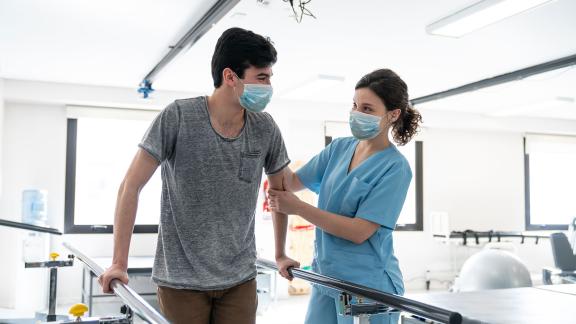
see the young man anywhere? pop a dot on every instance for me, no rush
(211, 151)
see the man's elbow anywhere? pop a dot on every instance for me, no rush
(129, 186)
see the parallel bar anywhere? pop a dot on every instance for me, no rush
(29, 227)
(466, 235)
(128, 296)
(493, 235)
(393, 301)
(214, 14)
(503, 78)
(49, 264)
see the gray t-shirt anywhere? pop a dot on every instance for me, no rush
(210, 186)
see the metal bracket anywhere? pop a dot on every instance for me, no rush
(348, 308)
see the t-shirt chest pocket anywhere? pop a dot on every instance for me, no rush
(249, 162)
(353, 195)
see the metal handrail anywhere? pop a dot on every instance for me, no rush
(30, 227)
(127, 294)
(397, 302)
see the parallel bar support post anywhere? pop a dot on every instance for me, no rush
(51, 317)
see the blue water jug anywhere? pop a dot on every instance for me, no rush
(34, 209)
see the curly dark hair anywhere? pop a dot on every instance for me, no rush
(393, 92)
(238, 49)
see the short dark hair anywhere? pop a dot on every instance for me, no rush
(393, 92)
(238, 49)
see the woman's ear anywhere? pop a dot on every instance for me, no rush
(395, 114)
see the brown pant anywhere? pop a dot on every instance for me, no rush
(235, 305)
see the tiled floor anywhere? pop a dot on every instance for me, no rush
(289, 310)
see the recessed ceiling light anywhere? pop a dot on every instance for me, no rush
(238, 15)
(310, 88)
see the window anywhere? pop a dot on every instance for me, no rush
(411, 217)
(550, 178)
(101, 145)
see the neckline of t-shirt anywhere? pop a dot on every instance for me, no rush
(227, 139)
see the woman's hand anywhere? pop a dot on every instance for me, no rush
(284, 202)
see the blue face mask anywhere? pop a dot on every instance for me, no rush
(364, 126)
(255, 96)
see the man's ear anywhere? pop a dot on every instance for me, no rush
(228, 77)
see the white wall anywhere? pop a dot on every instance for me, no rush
(1, 127)
(5, 234)
(477, 178)
(33, 157)
(474, 175)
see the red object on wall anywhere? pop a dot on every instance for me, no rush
(306, 227)
(265, 204)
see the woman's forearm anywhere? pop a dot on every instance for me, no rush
(291, 181)
(356, 230)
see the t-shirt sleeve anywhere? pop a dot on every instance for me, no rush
(386, 199)
(160, 138)
(312, 173)
(277, 157)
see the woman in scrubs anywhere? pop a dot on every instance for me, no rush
(362, 183)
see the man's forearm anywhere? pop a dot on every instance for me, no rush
(279, 220)
(124, 219)
(280, 224)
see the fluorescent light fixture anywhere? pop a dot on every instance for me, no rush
(314, 87)
(480, 14)
(528, 109)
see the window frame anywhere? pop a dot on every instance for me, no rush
(70, 192)
(528, 225)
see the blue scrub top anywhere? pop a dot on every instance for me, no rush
(375, 190)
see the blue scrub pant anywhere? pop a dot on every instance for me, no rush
(322, 309)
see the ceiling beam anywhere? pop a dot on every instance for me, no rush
(211, 17)
(503, 78)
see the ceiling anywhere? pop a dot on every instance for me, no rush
(546, 95)
(104, 42)
(115, 43)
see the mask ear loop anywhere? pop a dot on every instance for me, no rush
(237, 77)
(389, 119)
